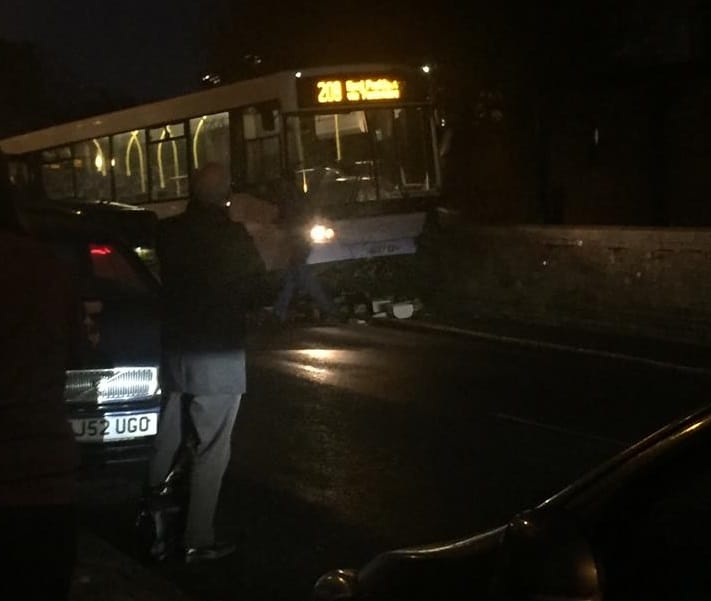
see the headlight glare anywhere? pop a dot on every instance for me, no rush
(320, 234)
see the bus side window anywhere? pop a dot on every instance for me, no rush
(130, 166)
(260, 136)
(210, 139)
(168, 160)
(18, 175)
(57, 175)
(92, 169)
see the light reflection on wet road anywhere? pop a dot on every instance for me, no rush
(356, 439)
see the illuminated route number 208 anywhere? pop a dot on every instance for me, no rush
(330, 91)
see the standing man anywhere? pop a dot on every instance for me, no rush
(212, 275)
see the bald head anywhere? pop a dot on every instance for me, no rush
(211, 185)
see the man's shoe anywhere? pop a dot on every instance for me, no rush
(216, 551)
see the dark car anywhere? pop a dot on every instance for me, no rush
(637, 528)
(134, 226)
(113, 396)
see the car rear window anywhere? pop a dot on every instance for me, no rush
(112, 270)
(104, 270)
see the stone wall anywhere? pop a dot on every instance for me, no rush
(644, 281)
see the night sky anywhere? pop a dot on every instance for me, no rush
(140, 50)
(144, 49)
(137, 48)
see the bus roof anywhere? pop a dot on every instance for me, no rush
(279, 86)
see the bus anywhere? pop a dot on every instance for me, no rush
(354, 145)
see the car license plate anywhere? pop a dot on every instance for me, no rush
(115, 427)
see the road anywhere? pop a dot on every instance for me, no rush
(356, 439)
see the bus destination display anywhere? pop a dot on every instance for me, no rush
(340, 90)
(357, 90)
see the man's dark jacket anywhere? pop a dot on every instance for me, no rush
(212, 276)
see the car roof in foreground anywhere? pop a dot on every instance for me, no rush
(656, 444)
(650, 447)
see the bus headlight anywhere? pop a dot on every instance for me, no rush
(320, 234)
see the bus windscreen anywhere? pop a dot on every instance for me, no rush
(362, 155)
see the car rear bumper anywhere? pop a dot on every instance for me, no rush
(130, 451)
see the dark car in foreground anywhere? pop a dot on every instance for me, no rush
(113, 395)
(133, 226)
(636, 528)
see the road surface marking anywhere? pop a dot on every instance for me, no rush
(558, 429)
(541, 344)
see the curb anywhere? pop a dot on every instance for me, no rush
(533, 343)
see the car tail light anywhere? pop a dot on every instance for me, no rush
(100, 250)
(110, 385)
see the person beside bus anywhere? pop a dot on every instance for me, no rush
(298, 275)
(212, 275)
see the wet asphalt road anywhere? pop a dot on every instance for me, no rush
(356, 439)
